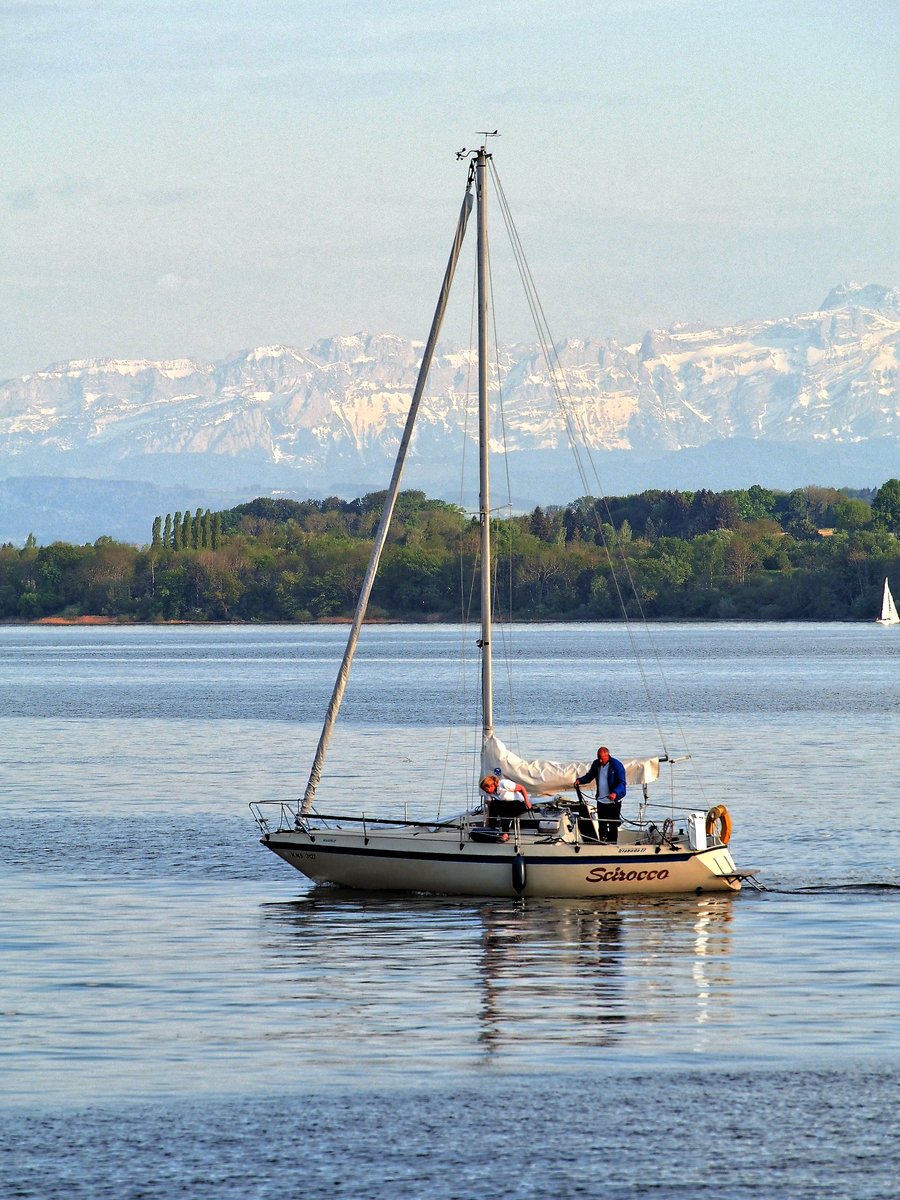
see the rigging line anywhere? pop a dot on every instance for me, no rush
(672, 715)
(569, 413)
(654, 649)
(471, 408)
(458, 703)
(505, 633)
(578, 444)
(548, 350)
(556, 373)
(461, 690)
(506, 628)
(626, 567)
(465, 606)
(571, 418)
(476, 718)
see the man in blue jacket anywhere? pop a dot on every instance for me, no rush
(610, 777)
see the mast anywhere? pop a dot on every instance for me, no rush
(484, 501)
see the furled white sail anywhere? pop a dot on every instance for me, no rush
(542, 777)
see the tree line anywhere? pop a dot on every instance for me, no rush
(811, 554)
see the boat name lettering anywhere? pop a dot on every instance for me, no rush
(601, 875)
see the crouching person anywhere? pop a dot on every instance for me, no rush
(503, 801)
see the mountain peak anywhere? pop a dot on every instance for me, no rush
(359, 347)
(863, 295)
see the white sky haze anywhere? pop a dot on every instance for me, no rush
(190, 178)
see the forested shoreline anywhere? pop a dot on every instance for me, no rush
(750, 554)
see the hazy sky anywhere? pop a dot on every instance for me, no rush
(195, 177)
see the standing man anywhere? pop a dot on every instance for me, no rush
(610, 776)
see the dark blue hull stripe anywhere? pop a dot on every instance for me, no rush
(458, 856)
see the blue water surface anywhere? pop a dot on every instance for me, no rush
(183, 1014)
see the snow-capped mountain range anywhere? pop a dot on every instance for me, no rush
(812, 398)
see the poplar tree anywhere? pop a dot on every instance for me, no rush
(176, 531)
(216, 531)
(186, 538)
(207, 530)
(157, 528)
(197, 531)
(167, 531)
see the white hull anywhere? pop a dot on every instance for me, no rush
(445, 861)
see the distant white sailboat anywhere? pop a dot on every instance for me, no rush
(888, 608)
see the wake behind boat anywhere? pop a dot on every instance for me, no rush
(559, 847)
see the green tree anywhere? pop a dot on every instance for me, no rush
(107, 578)
(9, 600)
(414, 579)
(740, 558)
(55, 573)
(886, 506)
(708, 555)
(755, 502)
(171, 593)
(538, 574)
(852, 514)
(30, 607)
(541, 526)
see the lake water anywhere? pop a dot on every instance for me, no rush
(181, 1014)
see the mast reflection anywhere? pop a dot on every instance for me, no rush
(550, 969)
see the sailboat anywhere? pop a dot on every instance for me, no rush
(888, 615)
(558, 848)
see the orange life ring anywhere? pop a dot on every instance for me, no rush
(719, 822)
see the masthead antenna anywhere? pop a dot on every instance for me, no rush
(473, 154)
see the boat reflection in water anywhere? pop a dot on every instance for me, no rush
(594, 974)
(392, 982)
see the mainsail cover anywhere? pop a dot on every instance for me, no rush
(543, 777)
